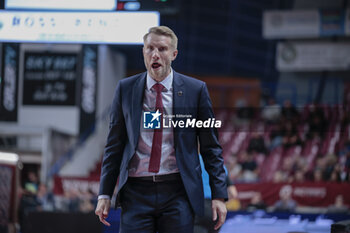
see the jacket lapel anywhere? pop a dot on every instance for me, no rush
(178, 100)
(137, 105)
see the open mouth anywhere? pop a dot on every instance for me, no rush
(156, 65)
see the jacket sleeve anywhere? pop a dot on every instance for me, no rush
(210, 148)
(114, 147)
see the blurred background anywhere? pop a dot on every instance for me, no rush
(278, 73)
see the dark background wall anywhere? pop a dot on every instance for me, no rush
(221, 38)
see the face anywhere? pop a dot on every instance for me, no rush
(158, 53)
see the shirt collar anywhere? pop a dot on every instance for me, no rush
(167, 82)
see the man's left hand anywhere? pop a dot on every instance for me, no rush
(219, 209)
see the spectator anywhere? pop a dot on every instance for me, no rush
(85, 206)
(256, 203)
(338, 206)
(299, 176)
(87, 201)
(301, 163)
(249, 168)
(290, 135)
(45, 199)
(257, 143)
(71, 200)
(233, 203)
(279, 176)
(318, 175)
(271, 113)
(345, 120)
(28, 203)
(289, 112)
(275, 136)
(286, 203)
(234, 168)
(320, 162)
(317, 123)
(287, 168)
(331, 161)
(244, 113)
(32, 182)
(347, 167)
(335, 176)
(345, 150)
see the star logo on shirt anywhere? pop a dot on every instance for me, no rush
(151, 120)
(156, 115)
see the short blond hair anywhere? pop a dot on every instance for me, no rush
(164, 31)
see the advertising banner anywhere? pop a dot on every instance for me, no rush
(293, 24)
(305, 194)
(313, 56)
(88, 89)
(9, 82)
(76, 27)
(50, 78)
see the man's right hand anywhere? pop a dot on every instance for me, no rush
(102, 210)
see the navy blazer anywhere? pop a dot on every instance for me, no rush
(190, 97)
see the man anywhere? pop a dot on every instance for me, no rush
(160, 187)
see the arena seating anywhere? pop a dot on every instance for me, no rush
(235, 138)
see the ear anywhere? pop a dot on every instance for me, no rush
(175, 52)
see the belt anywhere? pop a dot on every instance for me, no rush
(157, 178)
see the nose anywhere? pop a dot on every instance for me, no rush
(155, 54)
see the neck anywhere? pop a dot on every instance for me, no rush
(159, 79)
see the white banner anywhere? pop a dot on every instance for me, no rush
(291, 24)
(313, 56)
(61, 4)
(76, 27)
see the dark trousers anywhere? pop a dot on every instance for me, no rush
(205, 224)
(149, 207)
